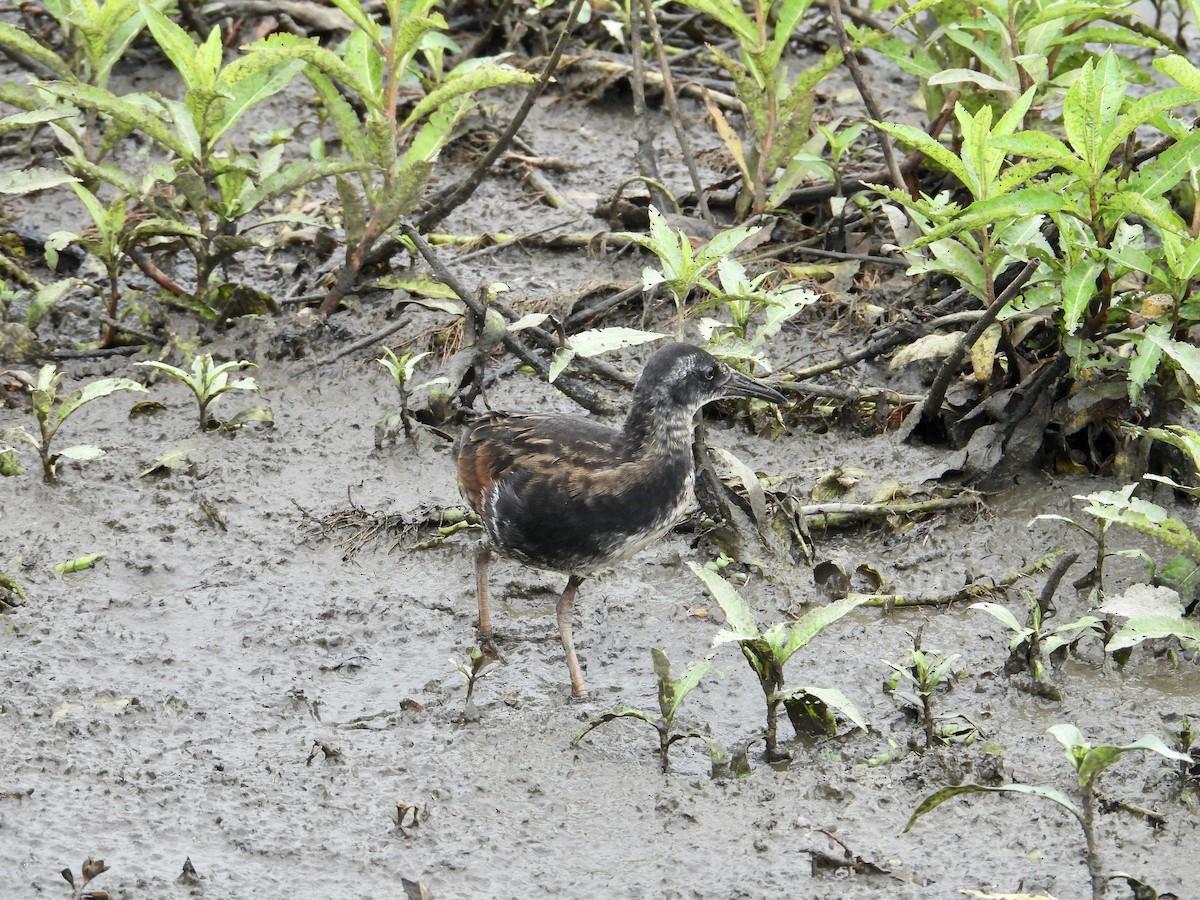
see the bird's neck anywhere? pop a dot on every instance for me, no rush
(658, 430)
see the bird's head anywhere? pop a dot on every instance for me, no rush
(684, 377)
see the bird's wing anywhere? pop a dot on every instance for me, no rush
(561, 453)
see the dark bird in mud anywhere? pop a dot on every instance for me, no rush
(566, 494)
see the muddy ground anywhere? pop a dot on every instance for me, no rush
(226, 687)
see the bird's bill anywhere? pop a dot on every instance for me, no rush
(740, 385)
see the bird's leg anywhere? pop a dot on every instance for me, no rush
(483, 556)
(566, 608)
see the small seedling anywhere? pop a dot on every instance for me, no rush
(1089, 763)
(1035, 645)
(671, 693)
(767, 652)
(91, 869)
(480, 664)
(208, 380)
(401, 369)
(52, 409)
(922, 672)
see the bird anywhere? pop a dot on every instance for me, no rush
(569, 495)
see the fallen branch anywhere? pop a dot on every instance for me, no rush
(838, 515)
(972, 591)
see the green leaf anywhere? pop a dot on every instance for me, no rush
(81, 453)
(359, 16)
(27, 181)
(1144, 364)
(1001, 613)
(1140, 112)
(1186, 356)
(1146, 628)
(1020, 204)
(1090, 109)
(558, 364)
(177, 44)
(345, 120)
(937, 798)
(246, 87)
(20, 41)
(80, 563)
(31, 118)
(1155, 210)
(94, 390)
(603, 340)
(739, 620)
(935, 150)
(831, 697)
(124, 109)
(1181, 71)
(1078, 289)
(279, 48)
(786, 638)
(295, 175)
(466, 84)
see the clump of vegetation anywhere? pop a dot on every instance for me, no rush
(917, 678)
(1035, 646)
(1088, 763)
(88, 872)
(767, 651)
(208, 380)
(672, 692)
(51, 408)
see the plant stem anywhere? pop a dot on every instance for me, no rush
(1095, 871)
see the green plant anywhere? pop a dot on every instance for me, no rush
(741, 340)
(11, 591)
(683, 269)
(981, 52)
(94, 37)
(108, 240)
(767, 651)
(52, 408)
(756, 312)
(202, 198)
(1081, 222)
(392, 153)
(777, 108)
(1033, 646)
(1122, 508)
(479, 663)
(208, 380)
(1089, 763)
(671, 693)
(402, 369)
(921, 674)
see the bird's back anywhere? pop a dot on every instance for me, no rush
(567, 494)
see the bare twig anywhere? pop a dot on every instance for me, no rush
(361, 344)
(685, 145)
(450, 199)
(646, 159)
(569, 386)
(937, 391)
(864, 89)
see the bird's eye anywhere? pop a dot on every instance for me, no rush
(711, 372)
